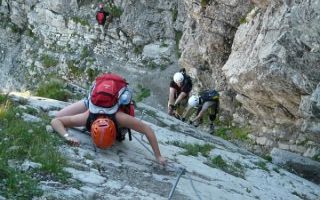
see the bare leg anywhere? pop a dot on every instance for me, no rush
(73, 109)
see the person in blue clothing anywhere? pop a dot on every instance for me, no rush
(206, 101)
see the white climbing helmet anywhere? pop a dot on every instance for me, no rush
(178, 77)
(194, 101)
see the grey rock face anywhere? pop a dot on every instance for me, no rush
(299, 164)
(207, 39)
(127, 170)
(274, 67)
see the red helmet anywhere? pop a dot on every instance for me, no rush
(103, 132)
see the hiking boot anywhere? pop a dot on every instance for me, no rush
(176, 116)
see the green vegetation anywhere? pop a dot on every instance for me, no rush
(243, 20)
(114, 10)
(151, 113)
(219, 162)
(276, 170)
(233, 133)
(74, 70)
(26, 141)
(178, 35)
(204, 3)
(194, 149)
(48, 61)
(138, 50)
(15, 28)
(29, 33)
(174, 14)
(92, 74)
(262, 165)
(236, 169)
(316, 157)
(152, 65)
(81, 21)
(267, 157)
(142, 94)
(84, 53)
(163, 44)
(54, 89)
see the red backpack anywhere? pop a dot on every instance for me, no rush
(107, 89)
(104, 100)
(101, 17)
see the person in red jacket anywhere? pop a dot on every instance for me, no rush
(101, 17)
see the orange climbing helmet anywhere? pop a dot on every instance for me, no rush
(103, 132)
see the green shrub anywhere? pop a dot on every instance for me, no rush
(114, 10)
(74, 70)
(3, 98)
(233, 133)
(29, 33)
(243, 20)
(204, 3)
(142, 94)
(53, 89)
(15, 28)
(262, 165)
(48, 61)
(92, 74)
(81, 21)
(138, 50)
(84, 53)
(223, 133)
(152, 65)
(194, 149)
(235, 169)
(219, 162)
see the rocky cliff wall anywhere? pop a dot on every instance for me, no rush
(62, 39)
(272, 68)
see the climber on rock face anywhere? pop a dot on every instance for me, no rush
(102, 16)
(180, 87)
(106, 112)
(206, 101)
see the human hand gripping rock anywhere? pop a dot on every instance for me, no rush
(162, 160)
(72, 141)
